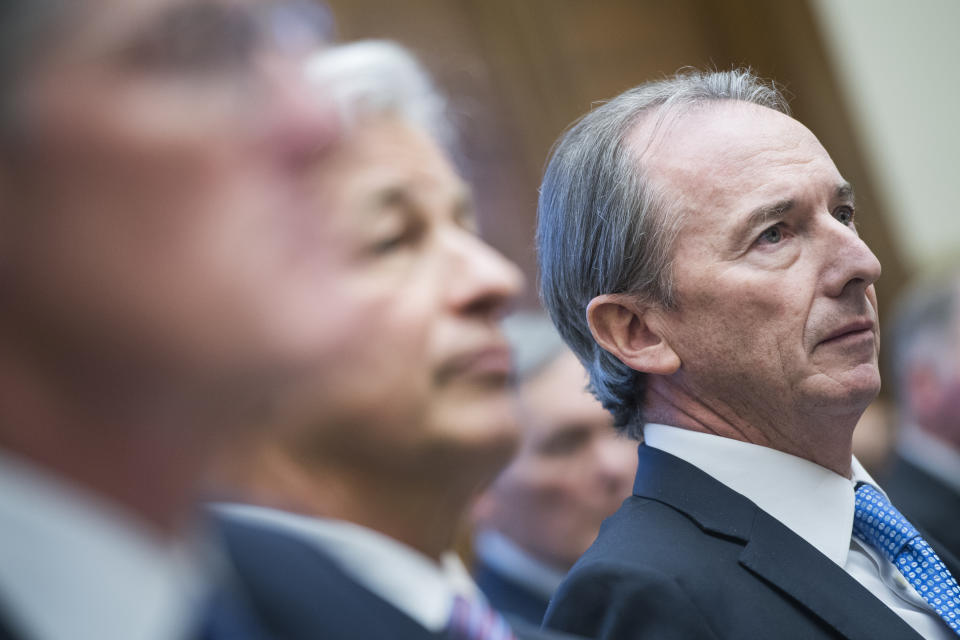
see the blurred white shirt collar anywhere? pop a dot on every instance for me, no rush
(409, 580)
(74, 566)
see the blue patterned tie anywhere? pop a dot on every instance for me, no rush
(878, 523)
(474, 620)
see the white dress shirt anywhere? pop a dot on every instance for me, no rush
(73, 566)
(810, 500)
(502, 554)
(415, 584)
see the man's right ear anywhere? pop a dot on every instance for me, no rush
(625, 328)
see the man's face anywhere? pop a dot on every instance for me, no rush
(571, 472)
(152, 192)
(777, 311)
(415, 365)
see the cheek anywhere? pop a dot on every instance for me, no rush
(377, 332)
(751, 317)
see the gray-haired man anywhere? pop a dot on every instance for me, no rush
(699, 253)
(410, 412)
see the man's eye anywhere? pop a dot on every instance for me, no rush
(391, 243)
(844, 215)
(773, 235)
(405, 237)
(565, 442)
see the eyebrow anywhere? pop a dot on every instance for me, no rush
(763, 215)
(845, 192)
(776, 211)
(197, 24)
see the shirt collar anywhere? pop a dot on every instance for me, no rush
(812, 501)
(75, 566)
(504, 556)
(409, 580)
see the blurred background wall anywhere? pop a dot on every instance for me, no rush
(898, 65)
(874, 79)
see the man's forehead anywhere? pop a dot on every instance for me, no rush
(727, 148)
(720, 127)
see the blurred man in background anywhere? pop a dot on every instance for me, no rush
(572, 471)
(924, 474)
(157, 270)
(412, 413)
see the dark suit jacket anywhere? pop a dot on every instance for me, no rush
(930, 505)
(6, 633)
(514, 601)
(686, 557)
(301, 594)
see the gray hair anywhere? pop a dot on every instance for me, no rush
(373, 78)
(603, 228)
(925, 328)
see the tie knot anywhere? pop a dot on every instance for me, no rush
(474, 620)
(879, 524)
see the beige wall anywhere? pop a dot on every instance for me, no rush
(897, 68)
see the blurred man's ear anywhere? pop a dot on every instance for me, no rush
(630, 331)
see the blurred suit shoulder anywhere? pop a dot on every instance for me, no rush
(301, 594)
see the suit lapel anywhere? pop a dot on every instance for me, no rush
(772, 552)
(780, 557)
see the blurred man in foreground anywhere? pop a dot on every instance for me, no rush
(157, 270)
(698, 251)
(924, 475)
(411, 414)
(572, 471)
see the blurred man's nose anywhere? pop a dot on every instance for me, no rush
(481, 279)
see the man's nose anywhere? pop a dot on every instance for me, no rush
(850, 264)
(481, 279)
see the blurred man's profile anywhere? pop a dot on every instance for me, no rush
(572, 470)
(363, 488)
(157, 269)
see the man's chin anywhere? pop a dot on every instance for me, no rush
(848, 391)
